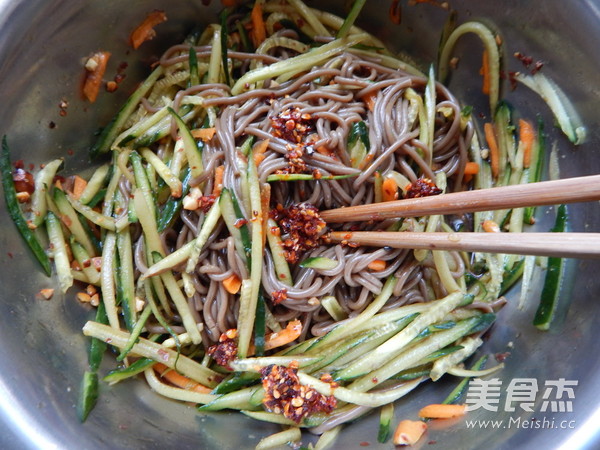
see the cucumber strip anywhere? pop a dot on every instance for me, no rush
(190, 146)
(12, 204)
(333, 307)
(554, 279)
(489, 41)
(357, 6)
(441, 366)
(107, 279)
(88, 395)
(97, 347)
(416, 102)
(61, 199)
(248, 301)
(282, 269)
(512, 276)
(43, 180)
(148, 349)
(349, 327)
(234, 400)
(256, 364)
(175, 393)
(163, 171)
(411, 374)
(208, 226)
(141, 129)
(135, 333)
(306, 177)
(505, 135)
(458, 372)
(193, 63)
(291, 435)
(456, 395)
(236, 224)
(109, 132)
(97, 198)
(412, 355)
(296, 64)
(385, 422)
(538, 154)
(171, 260)
(214, 65)
(259, 327)
(528, 271)
(564, 112)
(114, 376)
(224, 35)
(319, 262)
(396, 344)
(59, 248)
(235, 382)
(310, 17)
(371, 399)
(269, 417)
(358, 143)
(127, 277)
(83, 258)
(95, 184)
(171, 209)
(142, 182)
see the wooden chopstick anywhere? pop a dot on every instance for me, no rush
(568, 190)
(566, 245)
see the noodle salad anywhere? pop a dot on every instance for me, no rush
(201, 245)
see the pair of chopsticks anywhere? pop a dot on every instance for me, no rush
(569, 190)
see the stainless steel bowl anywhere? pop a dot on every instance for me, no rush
(43, 354)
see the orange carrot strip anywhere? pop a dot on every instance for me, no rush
(79, 185)
(389, 189)
(232, 284)
(485, 71)
(259, 31)
(369, 100)
(490, 137)
(95, 68)
(145, 31)
(526, 136)
(285, 336)
(489, 226)
(471, 168)
(409, 432)
(218, 186)
(323, 150)
(377, 265)
(179, 380)
(442, 411)
(395, 12)
(258, 151)
(206, 134)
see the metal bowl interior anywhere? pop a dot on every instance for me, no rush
(43, 354)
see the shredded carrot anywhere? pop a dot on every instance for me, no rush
(218, 186)
(377, 265)
(259, 31)
(323, 150)
(79, 185)
(289, 334)
(490, 137)
(408, 432)
(145, 31)
(232, 284)
(471, 168)
(369, 100)
(485, 71)
(389, 189)
(258, 151)
(95, 68)
(395, 12)
(442, 411)
(489, 226)
(206, 134)
(179, 380)
(526, 136)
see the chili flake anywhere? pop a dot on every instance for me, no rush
(422, 187)
(285, 395)
(226, 350)
(279, 296)
(301, 226)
